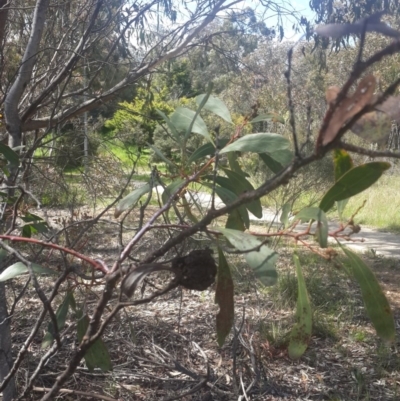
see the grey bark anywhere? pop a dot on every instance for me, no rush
(5, 345)
(13, 121)
(14, 129)
(3, 19)
(132, 77)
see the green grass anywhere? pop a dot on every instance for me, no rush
(127, 154)
(382, 207)
(381, 210)
(331, 302)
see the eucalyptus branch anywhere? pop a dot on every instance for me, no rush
(291, 105)
(94, 331)
(93, 263)
(23, 350)
(368, 152)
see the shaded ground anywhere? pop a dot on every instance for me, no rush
(168, 348)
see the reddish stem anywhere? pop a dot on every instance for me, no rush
(97, 265)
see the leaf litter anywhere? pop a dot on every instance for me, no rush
(169, 347)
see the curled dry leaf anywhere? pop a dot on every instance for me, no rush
(374, 126)
(349, 106)
(136, 274)
(195, 271)
(372, 23)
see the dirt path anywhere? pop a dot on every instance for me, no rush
(367, 240)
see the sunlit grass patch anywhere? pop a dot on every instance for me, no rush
(382, 207)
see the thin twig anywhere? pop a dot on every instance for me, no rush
(94, 263)
(368, 152)
(34, 331)
(291, 104)
(76, 392)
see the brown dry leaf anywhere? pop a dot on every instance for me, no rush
(224, 297)
(376, 125)
(349, 107)
(136, 275)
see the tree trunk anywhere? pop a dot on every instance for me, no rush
(14, 130)
(5, 345)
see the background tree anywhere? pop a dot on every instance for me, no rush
(59, 61)
(211, 150)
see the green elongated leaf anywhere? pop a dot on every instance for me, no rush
(216, 106)
(275, 117)
(343, 163)
(11, 156)
(161, 154)
(97, 355)
(284, 219)
(375, 301)
(3, 254)
(34, 228)
(207, 149)
(130, 200)
(234, 165)
(301, 332)
(182, 119)
(272, 164)
(241, 184)
(61, 316)
(188, 211)
(224, 298)
(222, 181)
(201, 104)
(170, 190)
(228, 184)
(40, 227)
(284, 157)
(29, 217)
(226, 192)
(278, 161)
(258, 143)
(315, 213)
(171, 127)
(17, 269)
(5, 170)
(235, 221)
(26, 231)
(203, 151)
(244, 215)
(227, 196)
(353, 182)
(261, 261)
(72, 302)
